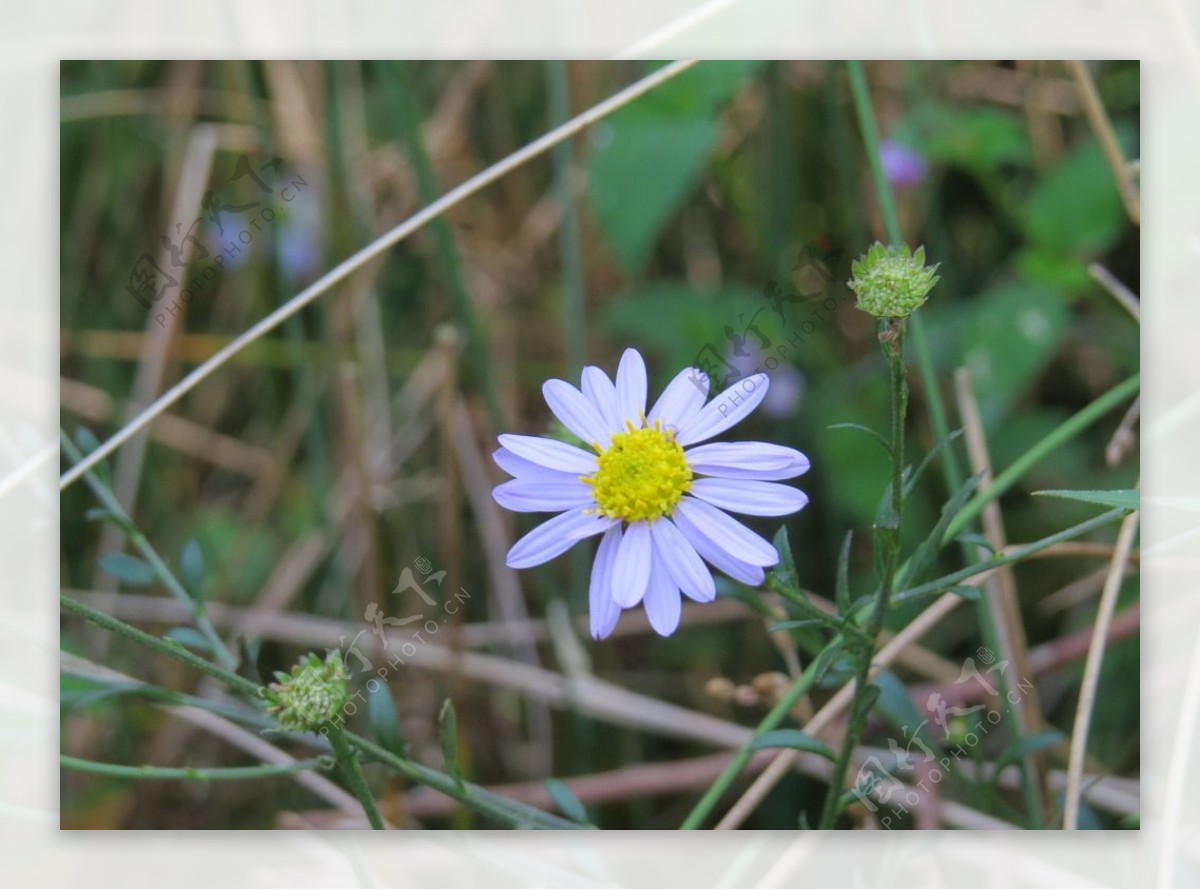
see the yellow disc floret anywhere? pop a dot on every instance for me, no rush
(642, 475)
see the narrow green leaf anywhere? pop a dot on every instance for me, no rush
(385, 723)
(190, 638)
(826, 660)
(128, 569)
(868, 698)
(927, 460)
(977, 541)
(87, 442)
(897, 707)
(864, 429)
(567, 802)
(449, 722)
(842, 590)
(785, 572)
(797, 624)
(1127, 499)
(926, 553)
(191, 561)
(966, 591)
(1029, 744)
(795, 739)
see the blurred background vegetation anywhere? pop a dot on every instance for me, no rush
(295, 485)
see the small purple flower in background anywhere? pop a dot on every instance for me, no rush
(787, 384)
(299, 239)
(659, 507)
(902, 165)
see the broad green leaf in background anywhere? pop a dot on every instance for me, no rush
(1076, 206)
(975, 139)
(1014, 330)
(677, 323)
(646, 158)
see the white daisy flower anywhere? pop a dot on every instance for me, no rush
(655, 494)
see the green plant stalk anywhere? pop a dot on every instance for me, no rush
(198, 774)
(951, 472)
(775, 716)
(945, 582)
(351, 769)
(480, 799)
(109, 500)
(166, 647)
(1067, 430)
(893, 344)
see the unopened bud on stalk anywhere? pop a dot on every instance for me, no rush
(892, 282)
(311, 695)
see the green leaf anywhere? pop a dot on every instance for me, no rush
(567, 802)
(191, 561)
(128, 569)
(1029, 744)
(868, 698)
(966, 591)
(926, 553)
(1076, 207)
(977, 541)
(826, 660)
(979, 139)
(797, 624)
(190, 638)
(696, 335)
(647, 157)
(385, 723)
(795, 739)
(897, 707)
(449, 723)
(1013, 331)
(864, 429)
(1127, 499)
(785, 572)
(914, 477)
(842, 590)
(87, 442)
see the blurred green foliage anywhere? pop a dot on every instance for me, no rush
(697, 198)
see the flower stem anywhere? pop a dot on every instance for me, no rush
(888, 538)
(186, 773)
(347, 760)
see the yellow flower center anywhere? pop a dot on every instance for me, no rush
(642, 475)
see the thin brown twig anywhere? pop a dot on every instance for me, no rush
(1091, 671)
(1001, 599)
(1098, 117)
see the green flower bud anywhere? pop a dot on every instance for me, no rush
(892, 282)
(311, 695)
